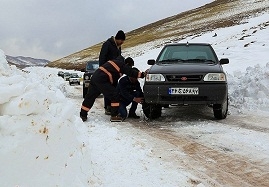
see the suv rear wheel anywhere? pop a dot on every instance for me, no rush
(85, 90)
(221, 110)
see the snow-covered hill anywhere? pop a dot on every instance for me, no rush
(214, 15)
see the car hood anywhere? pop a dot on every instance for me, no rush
(89, 72)
(184, 68)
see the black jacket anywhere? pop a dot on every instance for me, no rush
(109, 51)
(100, 76)
(126, 89)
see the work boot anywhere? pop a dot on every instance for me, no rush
(108, 110)
(116, 119)
(83, 116)
(133, 115)
(123, 117)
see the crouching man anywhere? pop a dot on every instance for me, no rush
(103, 81)
(130, 92)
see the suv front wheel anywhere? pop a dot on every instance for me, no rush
(152, 111)
(221, 110)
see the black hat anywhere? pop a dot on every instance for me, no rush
(120, 35)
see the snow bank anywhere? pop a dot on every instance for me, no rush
(250, 90)
(26, 93)
(38, 129)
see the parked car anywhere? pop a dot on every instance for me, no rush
(66, 76)
(90, 68)
(186, 74)
(74, 79)
(60, 73)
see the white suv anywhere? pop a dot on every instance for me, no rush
(74, 79)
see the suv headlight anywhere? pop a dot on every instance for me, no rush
(155, 78)
(215, 77)
(87, 77)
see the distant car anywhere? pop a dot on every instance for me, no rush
(74, 79)
(60, 73)
(185, 74)
(90, 68)
(66, 76)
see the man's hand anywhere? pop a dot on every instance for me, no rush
(146, 72)
(142, 75)
(138, 99)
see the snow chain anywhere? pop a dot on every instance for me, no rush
(144, 118)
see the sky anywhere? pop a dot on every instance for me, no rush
(54, 29)
(43, 142)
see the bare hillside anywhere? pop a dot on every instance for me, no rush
(220, 13)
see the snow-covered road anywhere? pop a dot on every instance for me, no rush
(229, 152)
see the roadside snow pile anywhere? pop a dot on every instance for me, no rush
(4, 67)
(24, 93)
(38, 129)
(250, 90)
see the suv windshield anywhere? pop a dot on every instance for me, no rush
(92, 65)
(187, 53)
(74, 75)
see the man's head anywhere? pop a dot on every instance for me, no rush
(129, 61)
(120, 38)
(132, 79)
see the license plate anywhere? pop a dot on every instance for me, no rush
(183, 91)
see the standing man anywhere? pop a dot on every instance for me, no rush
(102, 81)
(110, 50)
(130, 92)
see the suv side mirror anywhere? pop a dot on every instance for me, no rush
(224, 61)
(151, 62)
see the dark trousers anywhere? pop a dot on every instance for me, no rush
(124, 104)
(107, 102)
(98, 86)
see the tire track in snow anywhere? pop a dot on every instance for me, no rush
(214, 167)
